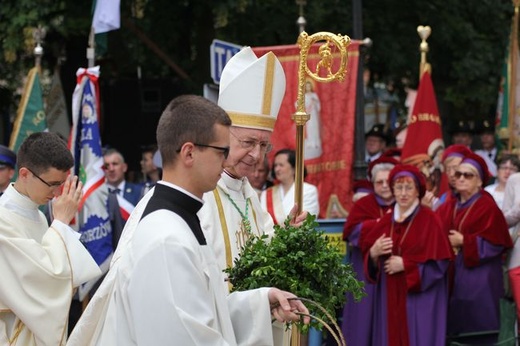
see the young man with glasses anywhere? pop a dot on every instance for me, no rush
(164, 286)
(40, 265)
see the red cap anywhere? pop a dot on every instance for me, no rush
(479, 163)
(458, 150)
(380, 159)
(363, 185)
(412, 171)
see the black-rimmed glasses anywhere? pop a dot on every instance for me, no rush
(50, 185)
(224, 150)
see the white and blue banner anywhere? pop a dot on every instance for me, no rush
(93, 220)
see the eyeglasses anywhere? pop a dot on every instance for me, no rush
(404, 188)
(52, 186)
(225, 150)
(250, 144)
(509, 168)
(466, 175)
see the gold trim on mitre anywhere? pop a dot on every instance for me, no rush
(262, 122)
(269, 81)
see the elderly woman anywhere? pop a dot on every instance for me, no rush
(479, 235)
(357, 317)
(278, 200)
(407, 255)
(451, 158)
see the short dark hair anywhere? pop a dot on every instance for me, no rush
(112, 151)
(291, 158)
(188, 118)
(515, 161)
(44, 150)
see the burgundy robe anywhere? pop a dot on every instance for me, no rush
(357, 316)
(410, 306)
(477, 272)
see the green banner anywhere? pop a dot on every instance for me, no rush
(30, 116)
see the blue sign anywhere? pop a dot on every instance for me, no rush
(220, 53)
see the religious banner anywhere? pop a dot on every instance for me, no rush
(423, 146)
(30, 117)
(329, 134)
(508, 105)
(56, 107)
(85, 144)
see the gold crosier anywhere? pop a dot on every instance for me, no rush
(324, 66)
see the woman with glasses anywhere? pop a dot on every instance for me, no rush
(479, 236)
(357, 316)
(407, 256)
(507, 165)
(278, 200)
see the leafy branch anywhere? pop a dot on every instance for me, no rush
(300, 260)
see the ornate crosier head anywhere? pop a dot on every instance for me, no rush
(327, 51)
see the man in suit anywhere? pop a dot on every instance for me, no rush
(122, 195)
(115, 169)
(376, 141)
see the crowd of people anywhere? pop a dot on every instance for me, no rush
(436, 268)
(433, 265)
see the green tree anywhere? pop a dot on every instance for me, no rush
(467, 44)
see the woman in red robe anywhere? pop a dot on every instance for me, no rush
(357, 316)
(479, 235)
(407, 255)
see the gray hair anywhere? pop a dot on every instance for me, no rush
(380, 167)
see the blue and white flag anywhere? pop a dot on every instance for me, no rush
(93, 220)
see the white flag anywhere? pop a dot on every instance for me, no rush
(107, 16)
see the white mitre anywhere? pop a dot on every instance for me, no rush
(252, 89)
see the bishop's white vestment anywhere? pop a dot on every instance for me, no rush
(222, 222)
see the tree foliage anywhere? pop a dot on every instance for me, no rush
(467, 44)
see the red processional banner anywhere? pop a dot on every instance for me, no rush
(329, 134)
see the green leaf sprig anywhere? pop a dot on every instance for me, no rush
(300, 260)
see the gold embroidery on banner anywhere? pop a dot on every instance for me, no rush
(269, 82)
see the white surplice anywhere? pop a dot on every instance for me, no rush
(39, 268)
(284, 202)
(187, 304)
